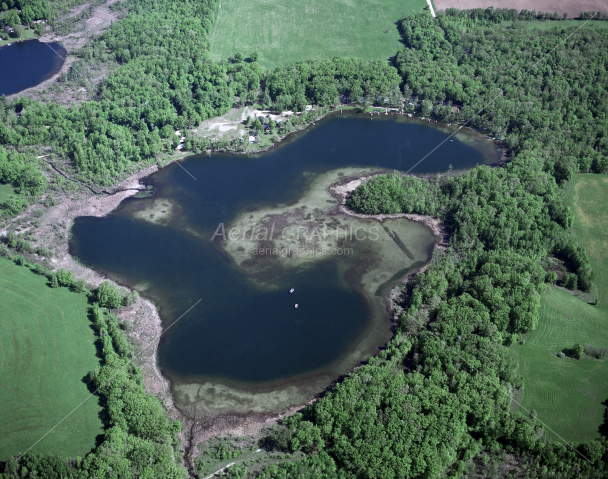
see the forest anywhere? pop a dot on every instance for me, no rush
(439, 395)
(16, 12)
(436, 402)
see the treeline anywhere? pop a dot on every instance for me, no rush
(167, 82)
(438, 397)
(498, 209)
(139, 440)
(322, 83)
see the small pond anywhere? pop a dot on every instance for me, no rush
(25, 64)
(238, 232)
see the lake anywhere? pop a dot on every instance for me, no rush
(238, 232)
(25, 64)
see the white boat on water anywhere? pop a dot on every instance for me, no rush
(296, 306)
(291, 290)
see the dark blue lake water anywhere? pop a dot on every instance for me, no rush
(25, 64)
(238, 331)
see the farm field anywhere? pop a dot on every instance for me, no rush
(46, 349)
(290, 31)
(572, 7)
(566, 393)
(588, 198)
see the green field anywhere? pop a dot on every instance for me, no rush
(588, 198)
(566, 393)
(46, 349)
(292, 30)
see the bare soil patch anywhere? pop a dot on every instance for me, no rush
(572, 7)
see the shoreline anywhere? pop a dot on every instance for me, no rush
(100, 18)
(146, 321)
(68, 61)
(342, 191)
(349, 109)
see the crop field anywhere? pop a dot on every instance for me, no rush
(572, 7)
(46, 349)
(566, 393)
(292, 30)
(588, 198)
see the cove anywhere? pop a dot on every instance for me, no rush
(238, 232)
(25, 64)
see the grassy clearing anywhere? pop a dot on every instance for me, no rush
(5, 192)
(289, 31)
(588, 198)
(46, 349)
(566, 393)
(219, 452)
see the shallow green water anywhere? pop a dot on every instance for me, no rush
(246, 333)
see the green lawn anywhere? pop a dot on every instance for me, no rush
(292, 30)
(588, 198)
(566, 393)
(28, 34)
(46, 348)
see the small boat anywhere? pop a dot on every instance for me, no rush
(291, 290)
(296, 306)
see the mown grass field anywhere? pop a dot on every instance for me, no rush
(588, 199)
(292, 30)
(566, 393)
(46, 348)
